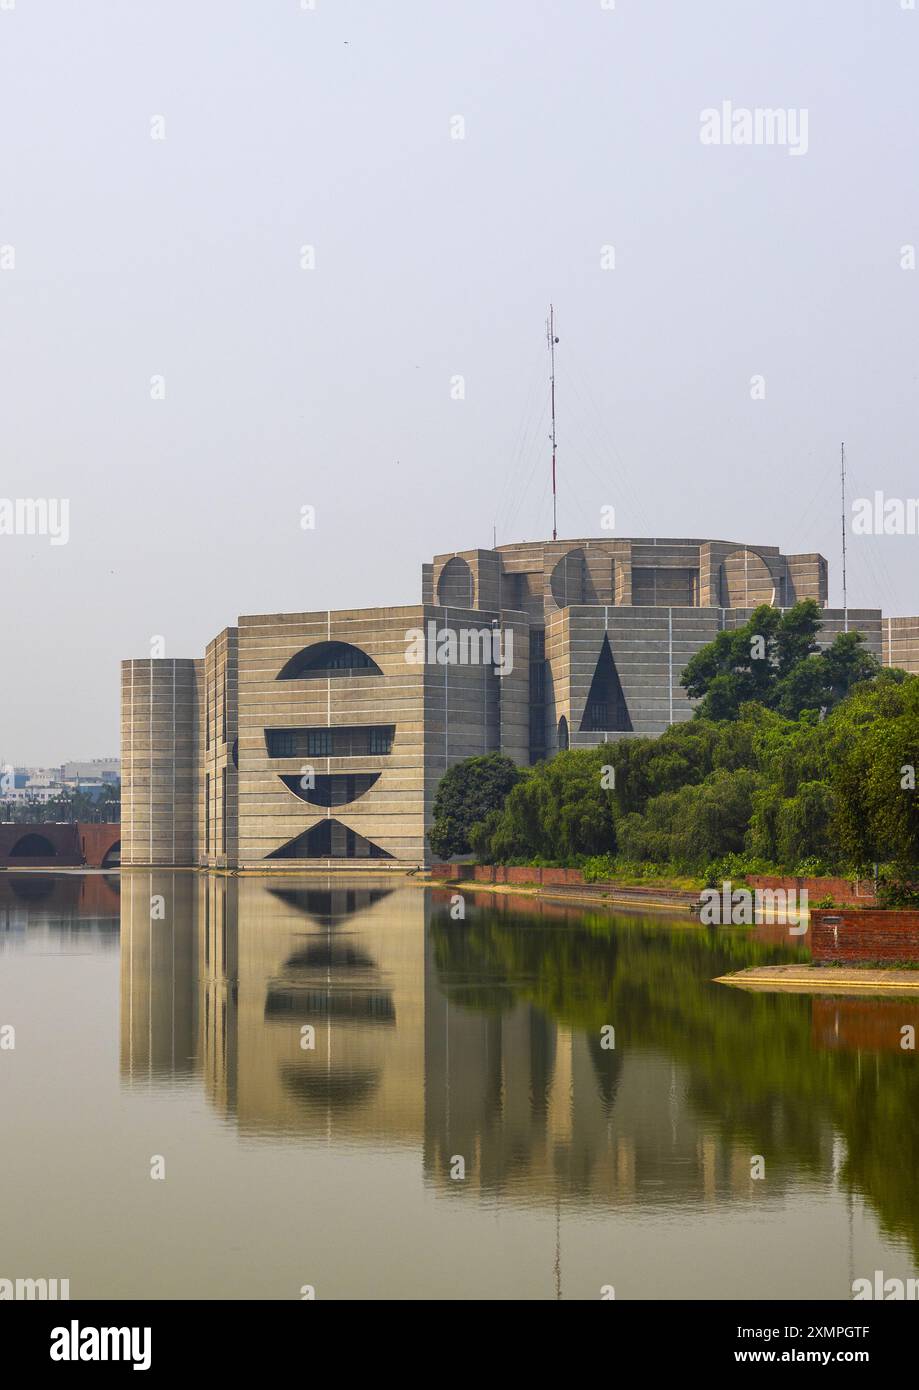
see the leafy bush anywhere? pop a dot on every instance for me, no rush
(816, 868)
(898, 887)
(599, 866)
(734, 868)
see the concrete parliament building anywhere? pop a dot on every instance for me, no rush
(309, 738)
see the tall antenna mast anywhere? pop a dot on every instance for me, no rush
(842, 475)
(552, 340)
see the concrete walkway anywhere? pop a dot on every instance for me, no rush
(832, 979)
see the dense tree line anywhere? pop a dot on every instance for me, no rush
(796, 759)
(74, 805)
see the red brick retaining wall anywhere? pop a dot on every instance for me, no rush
(505, 873)
(844, 891)
(867, 935)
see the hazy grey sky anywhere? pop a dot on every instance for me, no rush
(435, 257)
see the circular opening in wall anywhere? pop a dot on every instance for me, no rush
(567, 582)
(455, 587)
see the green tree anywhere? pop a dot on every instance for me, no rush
(559, 811)
(793, 803)
(774, 660)
(683, 755)
(691, 826)
(467, 793)
(823, 681)
(874, 754)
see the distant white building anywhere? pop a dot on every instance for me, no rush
(32, 795)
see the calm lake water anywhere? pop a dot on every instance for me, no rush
(180, 1039)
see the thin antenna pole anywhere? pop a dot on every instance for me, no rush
(552, 340)
(842, 476)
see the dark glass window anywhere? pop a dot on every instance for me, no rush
(328, 659)
(339, 742)
(331, 789)
(319, 743)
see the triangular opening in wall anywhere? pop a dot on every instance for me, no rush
(606, 710)
(329, 839)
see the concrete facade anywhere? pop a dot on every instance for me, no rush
(312, 738)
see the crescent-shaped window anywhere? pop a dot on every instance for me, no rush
(328, 659)
(330, 789)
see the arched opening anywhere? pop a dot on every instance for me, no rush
(33, 846)
(455, 588)
(567, 582)
(112, 856)
(325, 660)
(562, 734)
(746, 581)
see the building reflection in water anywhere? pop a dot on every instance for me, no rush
(422, 1039)
(529, 1091)
(66, 910)
(226, 983)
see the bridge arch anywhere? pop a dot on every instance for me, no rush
(112, 856)
(33, 846)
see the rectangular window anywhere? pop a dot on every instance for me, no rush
(537, 681)
(340, 742)
(207, 813)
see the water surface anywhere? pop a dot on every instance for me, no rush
(458, 1129)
